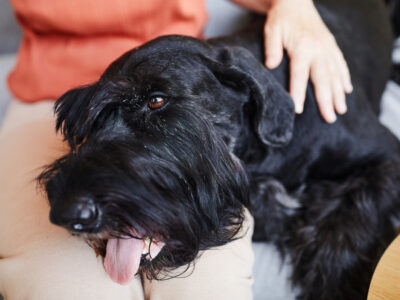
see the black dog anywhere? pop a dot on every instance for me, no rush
(179, 134)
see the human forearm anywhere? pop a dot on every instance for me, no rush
(262, 6)
(259, 6)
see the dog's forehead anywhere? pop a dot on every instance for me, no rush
(171, 44)
(166, 52)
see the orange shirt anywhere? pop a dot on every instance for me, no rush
(68, 43)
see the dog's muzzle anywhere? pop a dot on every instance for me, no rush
(76, 215)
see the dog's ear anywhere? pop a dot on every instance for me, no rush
(72, 114)
(78, 110)
(271, 106)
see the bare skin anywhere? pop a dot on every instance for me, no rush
(295, 26)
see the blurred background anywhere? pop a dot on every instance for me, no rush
(10, 36)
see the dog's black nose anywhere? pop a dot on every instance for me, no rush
(76, 215)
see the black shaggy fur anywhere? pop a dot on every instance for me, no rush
(162, 181)
(326, 195)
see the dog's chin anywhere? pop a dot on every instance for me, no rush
(123, 256)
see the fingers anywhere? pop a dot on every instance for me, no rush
(299, 73)
(338, 95)
(329, 88)
(344, 73)
(273, 46)
(324, 90)
(313, 53)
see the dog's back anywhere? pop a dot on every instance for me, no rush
(327, 198)
(362, 30)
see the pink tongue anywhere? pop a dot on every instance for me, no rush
(123, 258)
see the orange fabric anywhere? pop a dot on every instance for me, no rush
(67, 43)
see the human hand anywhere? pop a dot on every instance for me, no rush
(295, 25)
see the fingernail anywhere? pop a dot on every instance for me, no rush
(349, 88)
(341, 108)
(298, 107)
(331, 117)
(272, 62)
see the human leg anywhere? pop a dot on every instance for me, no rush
(37, 259)
(221, 273)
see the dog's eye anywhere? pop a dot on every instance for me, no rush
(156, 102)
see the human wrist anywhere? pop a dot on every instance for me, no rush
(271, 4)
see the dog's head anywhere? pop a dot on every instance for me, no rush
(152, 146)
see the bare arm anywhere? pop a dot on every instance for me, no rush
(260, 6)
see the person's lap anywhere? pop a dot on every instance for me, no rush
(221, 273)
(41, 261)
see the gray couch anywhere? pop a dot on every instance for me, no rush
(10, 36)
